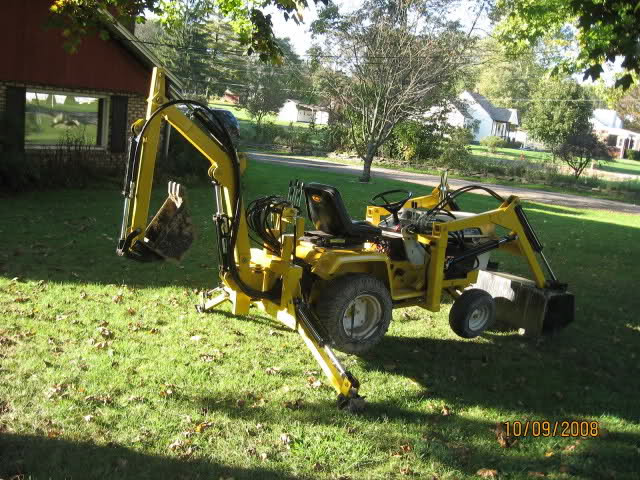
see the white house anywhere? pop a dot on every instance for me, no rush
(607, 125)
(296, 111)
(477, 113)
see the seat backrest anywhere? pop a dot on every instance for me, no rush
(326, 209)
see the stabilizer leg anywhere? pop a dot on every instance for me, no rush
(342, 380)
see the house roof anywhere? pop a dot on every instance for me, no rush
(143, 54)
(307, 106)
(509, 115)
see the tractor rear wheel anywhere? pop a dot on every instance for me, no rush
(472, 313)
(355, 311)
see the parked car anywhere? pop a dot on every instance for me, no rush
(227, 119)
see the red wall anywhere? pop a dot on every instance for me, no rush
(31, 54)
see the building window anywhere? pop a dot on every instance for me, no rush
(52, 117)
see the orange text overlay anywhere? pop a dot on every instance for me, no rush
(543, 428)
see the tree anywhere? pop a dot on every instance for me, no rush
(580, 149)
(507, 79)
(387, 62)
(604, 30)
(268, 84)
(78, 18)
(629, 109)
(563, 108)
(182, 46)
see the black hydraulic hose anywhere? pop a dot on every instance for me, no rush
(227, 145)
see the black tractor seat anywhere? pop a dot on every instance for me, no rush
(330, 217)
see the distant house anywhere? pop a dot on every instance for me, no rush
(231, 97)
(47, 93)
(607, 125)
(296, 111)
(474, 111)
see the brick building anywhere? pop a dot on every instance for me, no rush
(48, 96)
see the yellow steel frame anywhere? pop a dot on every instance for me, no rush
(257, 268)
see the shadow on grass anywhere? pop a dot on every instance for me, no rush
(453, 440)
(33, 457)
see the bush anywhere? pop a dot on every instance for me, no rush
(493, 142)
(267, 132)
(416, 142)
(633, 155)
(513, 144)
(70, 163)
(455, 153)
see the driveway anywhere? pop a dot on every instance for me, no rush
(539, 196)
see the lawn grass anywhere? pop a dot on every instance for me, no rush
(621, 165)
(108, 371)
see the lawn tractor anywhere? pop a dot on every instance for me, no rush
(337, 281)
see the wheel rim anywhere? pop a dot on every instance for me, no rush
(479, 318)
(362, 317)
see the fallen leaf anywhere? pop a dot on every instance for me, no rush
(273, 370)
(168, 390)
(487, 473)
(105, 332)
(274, 333)
(318, 467)
(83, 295)
(21, 299)
(240, 403)
(201, 427)
(196, 338)
(131, 311)
(117, 298)
(285, 438)
(549, 453)
(314, 382)
(264, 457)
(403, 450)
(537, 474)
(88, 418)
(294, 405)
(503, 439)
(446, 411)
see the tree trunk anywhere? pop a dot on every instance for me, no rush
(368, 160)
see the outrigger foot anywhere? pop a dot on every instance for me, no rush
(353, 403)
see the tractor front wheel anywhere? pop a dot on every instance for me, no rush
(472, 313)
(355, 311)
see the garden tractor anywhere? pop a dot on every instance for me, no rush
(337, 282)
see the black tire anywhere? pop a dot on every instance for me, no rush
(472, 313)
(357, 295)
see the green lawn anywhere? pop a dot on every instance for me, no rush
(108, 371)
(621, 165)
(511, 154)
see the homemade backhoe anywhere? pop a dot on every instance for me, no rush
(337, 284)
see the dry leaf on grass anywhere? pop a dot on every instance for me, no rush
(403, 450)
(273, 370)
(105, 332)
(406, 471)
(117, 298)
(314, 382)
(487, 473)
(446, 411)
(294, 405)
(201, 427)
(286, 439)
(168, 390)
(503, 439)
(537, 474)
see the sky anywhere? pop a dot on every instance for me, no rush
(301, 37)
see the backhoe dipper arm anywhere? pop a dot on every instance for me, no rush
(224, 169)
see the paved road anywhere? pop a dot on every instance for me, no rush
(539, 196)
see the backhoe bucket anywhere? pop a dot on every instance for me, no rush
(523, 306)
(170, 233)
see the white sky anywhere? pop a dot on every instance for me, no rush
(301, 37)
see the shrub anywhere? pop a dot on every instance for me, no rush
(633, 155)
(455, 153)
(513, 144)
(416, 141)
(493, 142)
